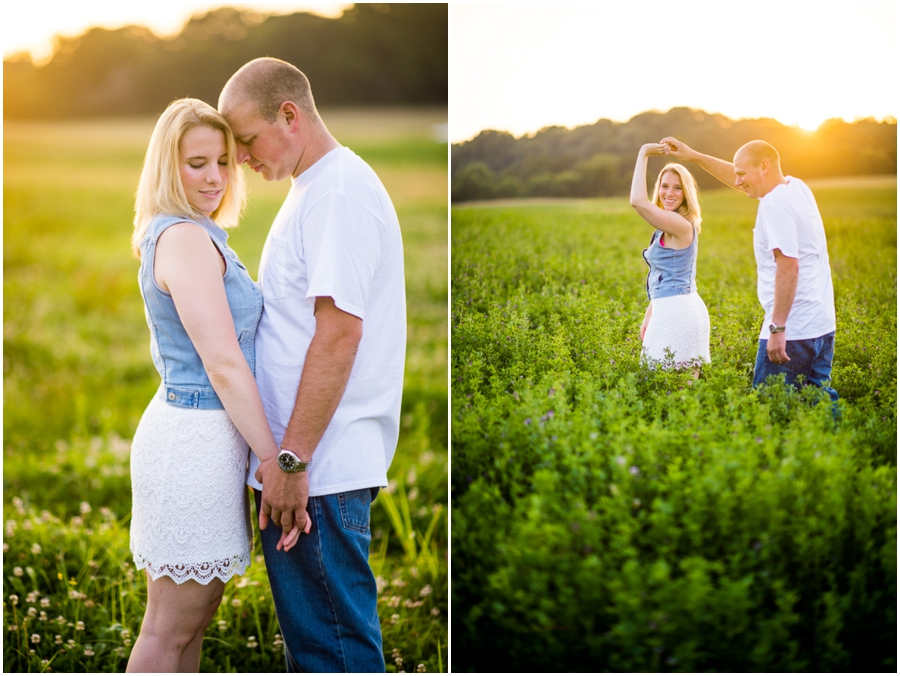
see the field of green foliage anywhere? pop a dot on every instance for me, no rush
(612, 517)
(77, 376)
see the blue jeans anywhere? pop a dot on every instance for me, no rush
(810, 358)
(324, 590)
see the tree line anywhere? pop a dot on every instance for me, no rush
(374, 54)
(598, 159)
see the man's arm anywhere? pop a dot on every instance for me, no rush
(326, 371)
(786, 275)
(722, 170)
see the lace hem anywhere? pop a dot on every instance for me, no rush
(204, 573)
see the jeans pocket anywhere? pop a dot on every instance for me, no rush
(355, 509)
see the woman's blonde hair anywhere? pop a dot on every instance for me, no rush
(690, 207)
(160, 190)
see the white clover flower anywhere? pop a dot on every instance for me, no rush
(14, 599)
(57, 639)
(426, 590)
(79, 626)
(35, 638)
(251, 642)
(84, 507)
(18, 572)
(88, 651)
(35, 548)
(45, 602)
(32, 612)
(236, 603)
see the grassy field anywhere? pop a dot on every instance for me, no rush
(608, 516)
(77, 376)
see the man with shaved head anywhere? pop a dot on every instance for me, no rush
(793, 272)
(330, 351)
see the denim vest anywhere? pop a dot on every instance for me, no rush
(184, 379)
(672, 271)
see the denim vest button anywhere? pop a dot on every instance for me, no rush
(171, 396)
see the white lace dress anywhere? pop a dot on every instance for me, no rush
(190, 515)
(679, 324)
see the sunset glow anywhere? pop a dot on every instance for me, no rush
(30, 26)
(523, 67)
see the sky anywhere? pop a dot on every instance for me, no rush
(522, 67)
(29, 25)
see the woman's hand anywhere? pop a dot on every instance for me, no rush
(289, 540)
(647, 315)
(653, 149)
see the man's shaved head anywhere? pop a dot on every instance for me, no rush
(268, 83)
(757, 151)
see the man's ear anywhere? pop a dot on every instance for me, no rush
(291, 114)
(764, 166)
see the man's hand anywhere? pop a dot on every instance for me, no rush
(677, 149)
(776, 348)
(284, 498)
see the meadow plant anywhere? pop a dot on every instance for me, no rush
(610, 515)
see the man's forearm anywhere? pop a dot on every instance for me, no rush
(326, 371)
(786, 275)
(720, 169)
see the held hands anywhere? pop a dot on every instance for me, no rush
(776, 348)
(284, 498)
(675, 148)
(653, 149)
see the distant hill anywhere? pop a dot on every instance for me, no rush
(374, 54)
(598, 159)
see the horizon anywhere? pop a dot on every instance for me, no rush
(888, 119)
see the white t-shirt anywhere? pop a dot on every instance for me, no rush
(336, 235)
(788, 219)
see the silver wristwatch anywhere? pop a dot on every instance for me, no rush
(774, 328)
(290, 462)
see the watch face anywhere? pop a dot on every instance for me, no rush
(287, 462)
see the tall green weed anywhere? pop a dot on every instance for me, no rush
(612, 516)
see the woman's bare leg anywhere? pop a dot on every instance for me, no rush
(190, 658)
(173, 626)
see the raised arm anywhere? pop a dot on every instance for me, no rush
(722, 170)
(670, 222)
(189, 267)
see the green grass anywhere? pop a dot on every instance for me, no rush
(78, 374)
(612, 517)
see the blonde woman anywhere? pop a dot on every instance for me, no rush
(676, 320)
(190, 525)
